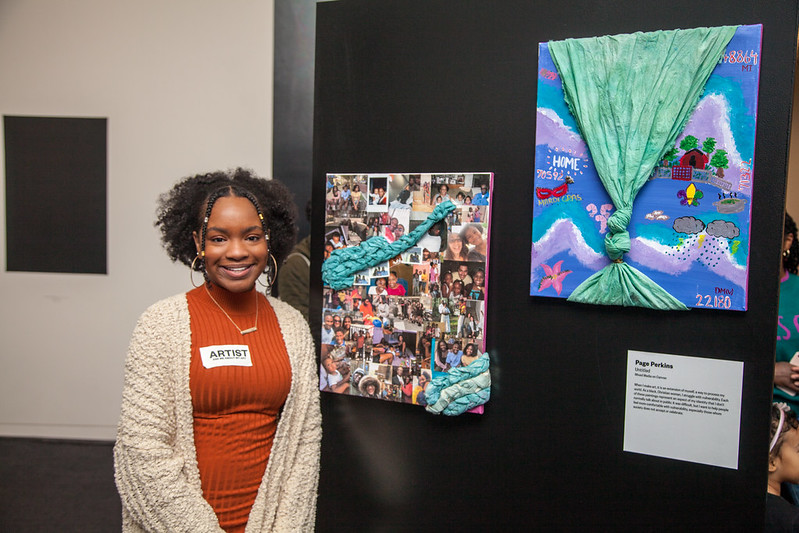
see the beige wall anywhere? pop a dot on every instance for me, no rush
(187, 87)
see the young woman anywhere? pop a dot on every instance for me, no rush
(407, 386)
(470, 354)
(473, 234)
(441, 354)
(423, 350)
(476, 289)
(381, 196)
(347, 326)
(379, 288)
(419, 390)
(456, 251)
(220, 423)
(404, 353)
(389, 232)
(370, 387)
(374, 227)
(786, 375)
(366, 308)
(394, 288)
(356, 199)
(443, 194)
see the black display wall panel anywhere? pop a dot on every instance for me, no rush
(451, 85)
(293, 100)
(56, 194)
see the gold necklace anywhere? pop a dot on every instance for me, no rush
(245, 331)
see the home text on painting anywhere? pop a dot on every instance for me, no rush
(564, 161)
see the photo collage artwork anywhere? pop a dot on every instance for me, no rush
(420, 313)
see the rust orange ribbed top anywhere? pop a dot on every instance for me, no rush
(236, 407)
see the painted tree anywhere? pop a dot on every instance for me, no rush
(688, 143)
(709, 145)
(670, 155)
(720, 161)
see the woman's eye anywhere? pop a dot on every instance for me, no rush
(254, 238)
(216, 239)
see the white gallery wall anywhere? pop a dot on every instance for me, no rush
(186, 86)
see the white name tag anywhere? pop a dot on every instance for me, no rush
(226, 355)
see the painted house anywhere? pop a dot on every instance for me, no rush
(694, 158)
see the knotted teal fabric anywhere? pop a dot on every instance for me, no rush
(460, 389)
(338, 271)
(617, 241)
(631, 96)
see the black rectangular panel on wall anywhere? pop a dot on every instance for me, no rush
(293, 100)
(56, 194)
(442, 85)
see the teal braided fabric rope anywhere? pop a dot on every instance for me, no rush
(461, 389)
(338, 271)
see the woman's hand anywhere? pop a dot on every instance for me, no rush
(786, 375)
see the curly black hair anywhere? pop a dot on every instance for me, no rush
(791, 260)
(182, 209)
(789, 422)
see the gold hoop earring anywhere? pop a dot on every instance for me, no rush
(191, 270)
(270, 280)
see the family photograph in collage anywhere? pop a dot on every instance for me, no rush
(420, 313)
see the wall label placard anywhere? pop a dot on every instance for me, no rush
(685, 408)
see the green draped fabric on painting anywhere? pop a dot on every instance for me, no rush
(631, 96)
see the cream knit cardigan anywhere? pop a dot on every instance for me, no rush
(154, 457)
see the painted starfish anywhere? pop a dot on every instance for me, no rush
(553, 277)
